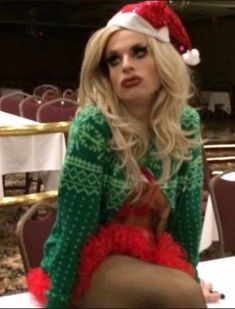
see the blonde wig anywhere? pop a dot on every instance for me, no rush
(131, 139)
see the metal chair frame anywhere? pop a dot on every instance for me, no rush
(32, 231)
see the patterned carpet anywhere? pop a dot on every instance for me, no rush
(12, 277)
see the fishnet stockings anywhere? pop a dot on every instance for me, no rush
(126, 282)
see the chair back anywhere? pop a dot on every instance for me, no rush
(32, 230)
(9, 103)
(70, 94)
(206, 181)
(50, 94)
(222, 190)
(41, 89)
(28, 107)
(57, 110)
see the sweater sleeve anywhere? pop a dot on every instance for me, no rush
(78, 203)
(188, 206)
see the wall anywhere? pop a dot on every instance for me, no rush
(27, 60)
(216, 41)
(32, 59)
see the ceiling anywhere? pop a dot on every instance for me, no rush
(63, 17)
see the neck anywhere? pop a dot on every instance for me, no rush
(139, 113)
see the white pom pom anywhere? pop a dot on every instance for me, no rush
(191, 57)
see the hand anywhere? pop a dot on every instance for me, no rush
(210, 295)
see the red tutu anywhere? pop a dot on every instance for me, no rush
(116, 238)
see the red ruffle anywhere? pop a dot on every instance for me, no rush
(38, 283)
(117, 238)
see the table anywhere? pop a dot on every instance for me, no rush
(220, 98)
(21, 300)
(209, 227)
(31, 153)
(221, 272)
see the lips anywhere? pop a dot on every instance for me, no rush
(131, 82)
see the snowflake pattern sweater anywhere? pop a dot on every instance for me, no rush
(92, 191)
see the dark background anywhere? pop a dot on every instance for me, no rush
(43, 41)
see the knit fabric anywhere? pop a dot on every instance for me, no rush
(92, 190)
(114, 238)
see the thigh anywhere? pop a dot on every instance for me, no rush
(126, 282)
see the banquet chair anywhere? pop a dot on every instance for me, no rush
(57, 110)
(32, 230)
(222, 190)
(60, 109)
(206, 180)
(40, 89)
(28, 107)
(9, 103)
(50, 94)
(70, 94)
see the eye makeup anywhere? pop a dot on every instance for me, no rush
(137, 51)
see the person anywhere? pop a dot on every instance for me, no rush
(128, 219)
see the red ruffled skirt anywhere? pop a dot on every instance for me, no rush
(115, 238)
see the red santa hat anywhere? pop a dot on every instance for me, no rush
(157, 19)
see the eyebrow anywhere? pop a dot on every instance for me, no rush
(114, 51)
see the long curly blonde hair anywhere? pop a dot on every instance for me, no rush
(129, 138)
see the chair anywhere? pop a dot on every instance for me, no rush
(40, 89)
(10, 102)
(32, 230)
(28, 107)
(57, 110)
(222, 190)
(206, 180)
(50, 94)
(70, 94)
(25, 107)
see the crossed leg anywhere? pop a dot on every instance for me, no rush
(126, 282)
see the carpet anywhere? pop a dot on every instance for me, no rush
(12, 275)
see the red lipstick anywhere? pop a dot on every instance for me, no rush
(131, 82)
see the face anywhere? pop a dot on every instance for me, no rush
(132, 69)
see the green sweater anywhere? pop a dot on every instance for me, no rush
(92, 190)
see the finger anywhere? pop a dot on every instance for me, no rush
(212, 297)
(161, 226)
(209, 286)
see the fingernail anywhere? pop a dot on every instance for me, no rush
(222, 296)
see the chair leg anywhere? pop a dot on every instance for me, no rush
(4, 184)
(39, 183)
(28, 181)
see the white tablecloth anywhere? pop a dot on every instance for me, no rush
(221, 272)
(30, 153)
(209, 228)
(21, 300)
(222, 99)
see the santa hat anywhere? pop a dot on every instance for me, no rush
(157, 19)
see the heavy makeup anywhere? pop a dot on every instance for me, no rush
(132, 71)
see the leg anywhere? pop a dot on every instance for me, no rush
(126, 282)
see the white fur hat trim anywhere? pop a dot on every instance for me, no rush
(136, 23)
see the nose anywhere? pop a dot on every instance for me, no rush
(127, 63)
